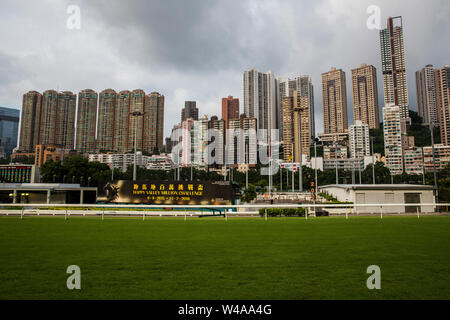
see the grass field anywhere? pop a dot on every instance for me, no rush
(322, 258)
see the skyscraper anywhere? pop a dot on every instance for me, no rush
(393, 138)
(153, 134)
(303, 85)
(86, 121)
(137, 103)
(394, 66)
(260, 98)
(334, 101)
(121, 122)
(106, 120)
(443, 98)
(47, 127)
(65, 120)
(190, 111)
(9, 127)
(230, 109)
(30, 124)
(426, 95)
(365, 96)
(296, 127)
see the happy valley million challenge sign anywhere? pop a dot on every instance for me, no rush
(170, 193)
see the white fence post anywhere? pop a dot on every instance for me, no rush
(418, 213)
(21, 216)
(381, 209)
(265, 215)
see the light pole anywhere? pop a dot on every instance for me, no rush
(434, 163)
(135, 114)
(315, 172)
(373, 163)
(336, 163)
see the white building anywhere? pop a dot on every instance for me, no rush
(123, 161)
(359, 140)
(393, 138)
(379, 195)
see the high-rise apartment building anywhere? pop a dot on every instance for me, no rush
(443, 99)
(260, 98)
(230, 109)
(296, 127)
(218, 137)
(137, 103)
(365, 96)
(121, 122)
(30, 121)
(65, 120)
(190, 111)
(106, 120)
(393, 138)
(426, 95)
(359, 139)
(303, 85)
(394, 66)
(153, 133)
(49, 111)
(243, 147)
(334, 101)
(86, 121)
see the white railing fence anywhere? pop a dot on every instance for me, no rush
(146, 211)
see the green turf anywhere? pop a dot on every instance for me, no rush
(322, 258)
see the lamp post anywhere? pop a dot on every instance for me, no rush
(336, 163)
(434, 163)
(373, 162)
(135, 114)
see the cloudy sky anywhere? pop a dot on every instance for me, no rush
(198, 49)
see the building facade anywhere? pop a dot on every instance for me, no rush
(230, 109)
(426, 95)
(359, 140)
(86, 121)
(365, 96)
(9, 129)
(106, 121)
(393, 138)
(190, 111)
(394, 66)
(443, 99)
(30, 121)
(334, 101)
(260, 98)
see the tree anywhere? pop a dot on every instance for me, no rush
(249, 194)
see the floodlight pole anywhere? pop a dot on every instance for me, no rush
(373, 163)
(336, 163)
(434, 163)
(135, 114)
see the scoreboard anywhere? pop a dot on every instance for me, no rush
(168, 192)
(17, 174)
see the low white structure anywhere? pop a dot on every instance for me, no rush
(380, 194)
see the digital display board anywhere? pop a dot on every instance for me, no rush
(168, 192)
(15, 174)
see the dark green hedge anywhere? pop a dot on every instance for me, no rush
(286, 212)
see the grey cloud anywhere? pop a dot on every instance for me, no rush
(198, 50)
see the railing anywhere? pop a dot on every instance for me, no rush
(225, 210)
